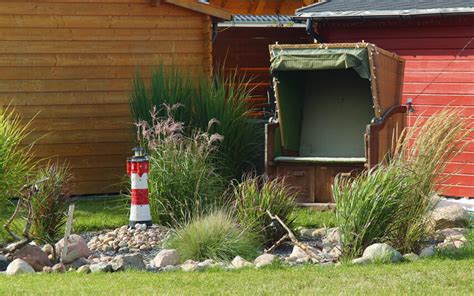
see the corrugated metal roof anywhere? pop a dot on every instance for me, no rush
(383, 8)
(249, 20)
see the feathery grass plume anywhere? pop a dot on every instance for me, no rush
(425, 150)
(257, 194)
(203, 99)
(50, 203)
(213, 236)
(16, 161)
(392, 202)
(183, 182)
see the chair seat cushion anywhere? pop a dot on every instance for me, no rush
(320, 159)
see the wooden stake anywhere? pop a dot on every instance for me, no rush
(67, 233)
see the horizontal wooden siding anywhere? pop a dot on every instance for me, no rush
(70, 63)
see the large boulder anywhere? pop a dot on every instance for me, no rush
(19, 266)
(126, 262)
(34, 256)
(76, 248)
(166, 257)
(382, 252)
(450, 217)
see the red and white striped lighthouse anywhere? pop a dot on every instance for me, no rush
(138, 168)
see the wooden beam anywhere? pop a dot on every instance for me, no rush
(208, 9)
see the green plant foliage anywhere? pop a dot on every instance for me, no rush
(366, 206)
(257, 194)
(16, 161)
(424, 151)
(182, 182)
(50, 203)
(214, 236)
(203, 99)
(392, 202)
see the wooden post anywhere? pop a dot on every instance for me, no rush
(67, 233)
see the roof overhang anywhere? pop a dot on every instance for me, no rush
(260, 21)
(205, 8)
(303, 13)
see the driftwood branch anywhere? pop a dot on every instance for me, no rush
(293, 238)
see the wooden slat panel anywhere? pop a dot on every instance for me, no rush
(76, 111)
(134, 22)
(70, 63)
(83, 149)
(97, 9)
(62, 34)
(175, 46)
(94, 59)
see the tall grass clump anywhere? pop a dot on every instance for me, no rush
(213, 236)
(203, 99)
(49, 204)
(257, 194)
(367, 205)
(183, 182)
(424, 151)
(16, 161)
(393, 201)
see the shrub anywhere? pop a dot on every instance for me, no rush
(50, 203)
(222, 98)
(215, 236)
(257, 194)
(182, 181)
(16, 161)
(392, 202)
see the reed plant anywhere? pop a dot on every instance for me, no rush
(214, 236)
(203, 99)
(393, 201)
(424, 151)
(49, 204)
(16, 160)
(254, 196)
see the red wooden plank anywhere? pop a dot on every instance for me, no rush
(439, 88)
(404, 32)
(440, 99)
(436, 54)
(467, 180)
(445, 66)
(456, 191)
(434, 77)
(432, 109)
(460, 168)
(414, 43)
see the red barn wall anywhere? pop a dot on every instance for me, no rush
(245, 49)
(439, 53)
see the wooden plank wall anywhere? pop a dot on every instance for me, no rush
(439, 71)
(246, 49)
(71, 63)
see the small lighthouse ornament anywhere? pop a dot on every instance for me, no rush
(138, 168)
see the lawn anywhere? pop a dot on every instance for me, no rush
(446, 273)
(437, 276)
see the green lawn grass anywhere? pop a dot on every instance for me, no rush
(447, 273)
(438, 276)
